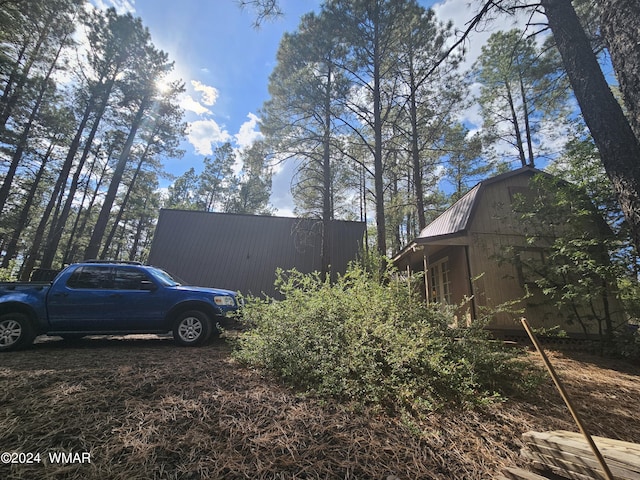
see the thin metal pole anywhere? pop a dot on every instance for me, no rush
(574, 413)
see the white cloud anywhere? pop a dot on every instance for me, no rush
(472, 115)
(190, 105)
(203, 134)
(121, 6)
(209, 94)
(248, 132)
(281, 197)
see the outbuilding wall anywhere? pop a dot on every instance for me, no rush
(242, 252)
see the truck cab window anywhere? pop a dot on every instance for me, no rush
(130, 279)
(91, 277)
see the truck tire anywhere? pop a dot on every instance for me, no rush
(15, 331)
(192, 328)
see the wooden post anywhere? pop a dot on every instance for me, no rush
(574, 413)
(426, 274)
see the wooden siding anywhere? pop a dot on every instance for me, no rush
(242, 252)
(493, 212)
(485, 225)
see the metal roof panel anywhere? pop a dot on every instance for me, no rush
(455, 219)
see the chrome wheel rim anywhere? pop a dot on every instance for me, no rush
(10, 332)
(190, 329)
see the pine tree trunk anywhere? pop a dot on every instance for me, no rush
(133, 252)
(32, 256)
(415, 152)
(516, 125)
(54, 241)
(610, 129)
(12, 246)
(125, 200)
(14, 92)
(327, 207)
(620, 23)
(93, 248)
(6, 100)
(378, 181)
(527, 126)
(78, 215)
(22, 142)
(59, 224)
(74, 243)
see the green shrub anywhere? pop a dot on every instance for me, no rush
(8, 274)
(370, 338)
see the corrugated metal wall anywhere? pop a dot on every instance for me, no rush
(242, 252)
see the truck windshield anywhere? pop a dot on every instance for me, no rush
(165, 278)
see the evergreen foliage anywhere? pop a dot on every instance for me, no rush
(574, 270)
(360, 102)
(218, 189)
(83, 128)
(584, 263)
(83, 131)
(370, 338)
(522, 87)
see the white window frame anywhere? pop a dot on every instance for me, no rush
(440, 281)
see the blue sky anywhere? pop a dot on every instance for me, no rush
(225, 64)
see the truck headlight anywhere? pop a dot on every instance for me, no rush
(224, 300)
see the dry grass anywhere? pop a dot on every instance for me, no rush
(146, 409)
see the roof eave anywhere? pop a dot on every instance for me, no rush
(457, 238)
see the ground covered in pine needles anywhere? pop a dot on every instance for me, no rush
(142, 408)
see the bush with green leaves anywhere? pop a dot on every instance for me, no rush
(8, 274)
(371, 338)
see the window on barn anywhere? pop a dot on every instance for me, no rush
(529, 262)
(440, 282)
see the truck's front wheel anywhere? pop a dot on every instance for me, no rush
(15, 331)
(192, 328)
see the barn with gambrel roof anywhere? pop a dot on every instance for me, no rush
(462, 253)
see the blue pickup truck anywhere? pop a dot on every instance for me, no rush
(110, 298)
